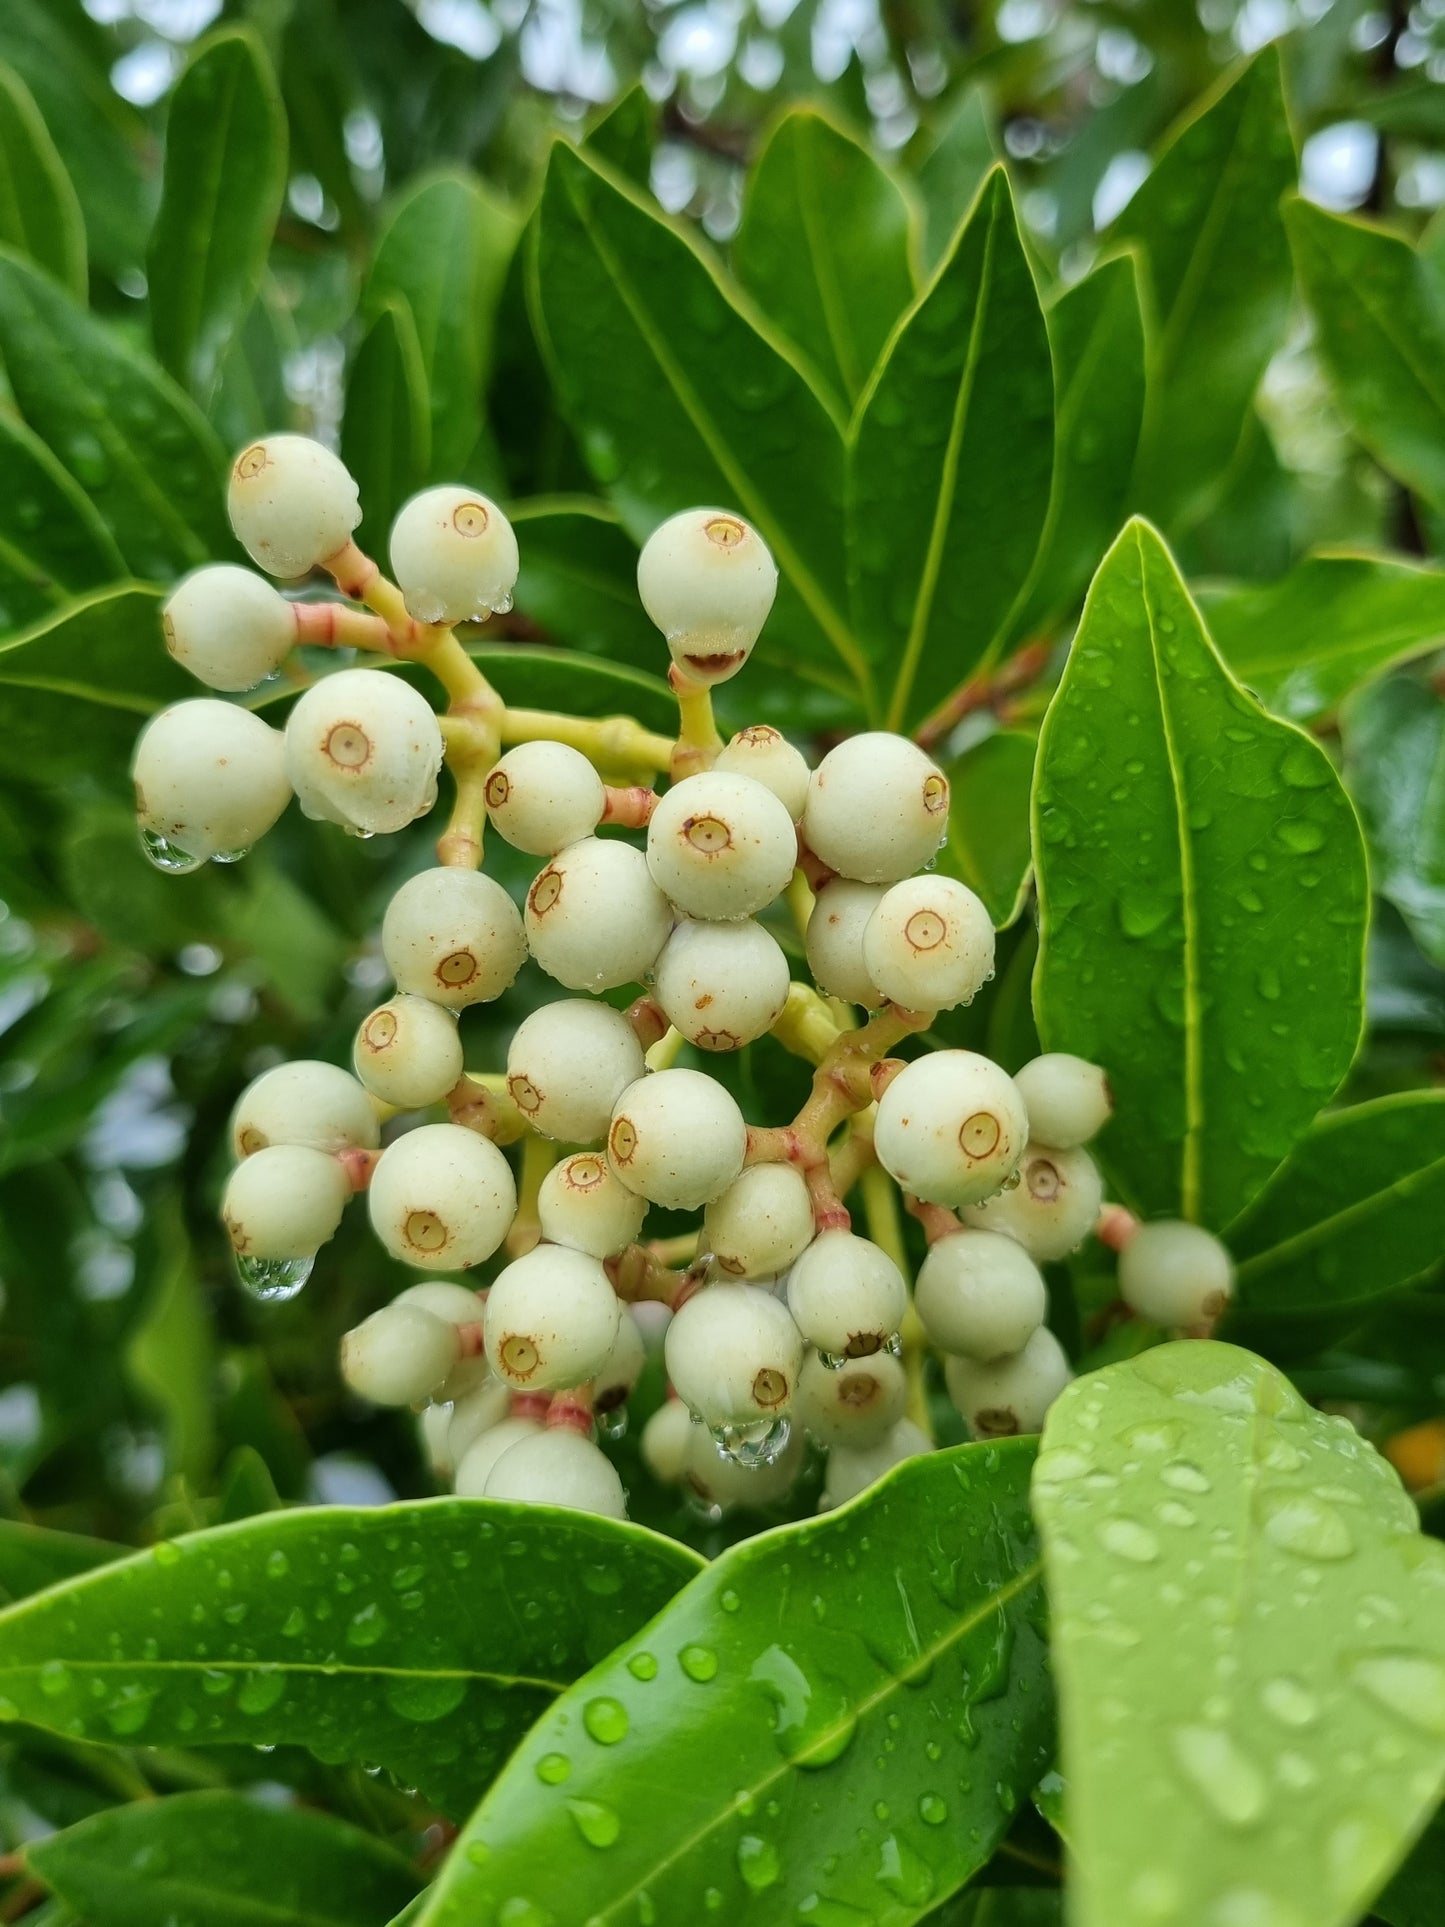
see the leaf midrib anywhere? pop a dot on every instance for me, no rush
(1359, 294)
(830, 296)
(247, 1906)
(317, 1669)
(1324, 1229)
(203, 257)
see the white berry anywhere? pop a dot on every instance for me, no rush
(441, 1198)
(210, 780)
(721, 846)
(852, 1470)
(733, 1354)
(677, 1138)
(487, 1404)
(567, 1065)
(474, 1465)
(980, 1293)
(721, 984)
(542, 796)
(707, 580)
(551, 1319)
(1053, 1207)
(453, 936)
(408, 1052)
(853, 1406)
(664, 1441)
(558, 1467)
(1012, 1394)
(398, 1356)
(229, 627)
(291, 503)
(929, 944)
(457, 1305)
(834, 941)
(846, 1295)
(761, 1223)
(285, 1202)
(617, 1379)
(766, 755)
(583, 1203)
(877, 808)
(433, 1428)
(454, 556)
(951, 1127)
(595, 919)
(1175, 1274)
(363, 749)
(304, 1103)
(1067, 1099)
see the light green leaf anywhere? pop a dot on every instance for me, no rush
(32, 1558)
(579, 579)
(679, 399)
(386, 427)
(732, 1747)
(1303, 643)
(249, 398)
(1248, 1643)
(137, 446)
(222, 1860)
(53, 545)
(225, 177)
(1394, 737)
(1208, 227)
(823, 248)
(953, 171)
(964, 395)
(170, 1355)
(1354, 1211)
(1380, 319)
(1202, 898)
(40, 212)
(422, 1638)
(988, 820)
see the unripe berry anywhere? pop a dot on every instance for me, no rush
(595, 918)
(474, 1466)
(980, 1294)
(433, 1425)
(721, 1483)
(551, 1319)
(285, 1202)
(834, 940)
(230, 628)
(1067, 1099)
(454, 937)
(457, 1305)
(304, 1103)
(677, 1138)
(363, 749)
(567, 1065)
(1012, 1394)
(852, 1471)
(846, 1295)
(854, 1406)
(721, 846)
(1053, 1207)
(664, 1441)
(951, 1127)
(454, 556)
(441, 1198)
(398, 1356)
(929, 944)
(486, 1405)
(291, 503)
(617, 1380)
(721, 984)
(766, 755)
(583, 1203)
(707, 580)
(733, 1354)
(558, 1467)
(877, 808)
(543, 796)
(1175, 1274)
(210, 780)
(761, 1223)
(408, 1052)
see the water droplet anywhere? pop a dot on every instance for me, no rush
(597, 1823)
(130, 1709)
(1290, 1702)
(931, 1810)
(277, 1565)
(167, 1553)
(553, 1769)
(729, 1601)
(274, 1279)
(642, 1666)
(425, 1696)
(232, 856)
(1305, 1526)
(1218, 1770)
(168, 856)
(1185, 1477)
(1127, 1539)
(905, 1875)
(762, 1442)
(605, 1720)
(814, 1720)
(261, 1690)
(367, 1626)
(55, 1678)
(698, 1662)
(758, 1863)
(1407, 1684)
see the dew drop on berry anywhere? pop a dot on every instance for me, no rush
(761, 1443)
(274, 1280)
(166, 855)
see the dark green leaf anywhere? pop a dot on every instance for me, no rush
(222, 1860)
(679, 400)
(170, 1357)
(579, 580)
(53, 545)
(965, 395)
(132, 440)
(623, 136)
(953, 170)
(1354, 1211)
(40, 213)
(824, 247)
(1218, 268)
(250, 398)
(112, 886)
(1395, 766)
(1244, 1612)
(988, 820)
(225, 176)
(1412, 1898)
(423, 1638)
(386, 429)
(444, 253)
(32, 1558)
(1381, 325)
(735, 1747)
(1202, 898)
(1302, 644)
(320, 85)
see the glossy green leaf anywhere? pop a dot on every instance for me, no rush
(225, 176)
(1395, 766)
(1248, 1642)
(422, 1638)
(1217, 262)
(1096, 329)
(1380, 319)
(579, 580)
(832, 1723)
(33, 1557)
(623, 136)
(132, 440)
(988, 820)
(1303, 643)
(53, 545)
(679, 399)
(250, 398)
(445, 252)
(953, 170)
(1354, 1211)
(386, 427)
(1202, 898)
(964, 396)
(222, 1860)
(823, 248)
(40, 214)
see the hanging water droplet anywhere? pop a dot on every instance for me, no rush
(1410, 1685)
(758, 1863)
(166, 855)
(274, 1279)
(231, 856)
(760, 1443)
(605, 1720)
(1305, 1526)
(1218, 1770)
(612, 1425)
(597, 1823)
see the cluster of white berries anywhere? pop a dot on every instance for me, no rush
(785, 1324)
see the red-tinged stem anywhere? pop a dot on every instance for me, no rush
(985, 692)
(637, 1274)
(473, 1106)
(470, 1339)
(331, 625)
(358, 1166)
(815, 871)
(937, 1220)
(829, 1211)
(1116, 1226)
(532, 1405)
(648, 1020)
(631, 808)
(571, 1411)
